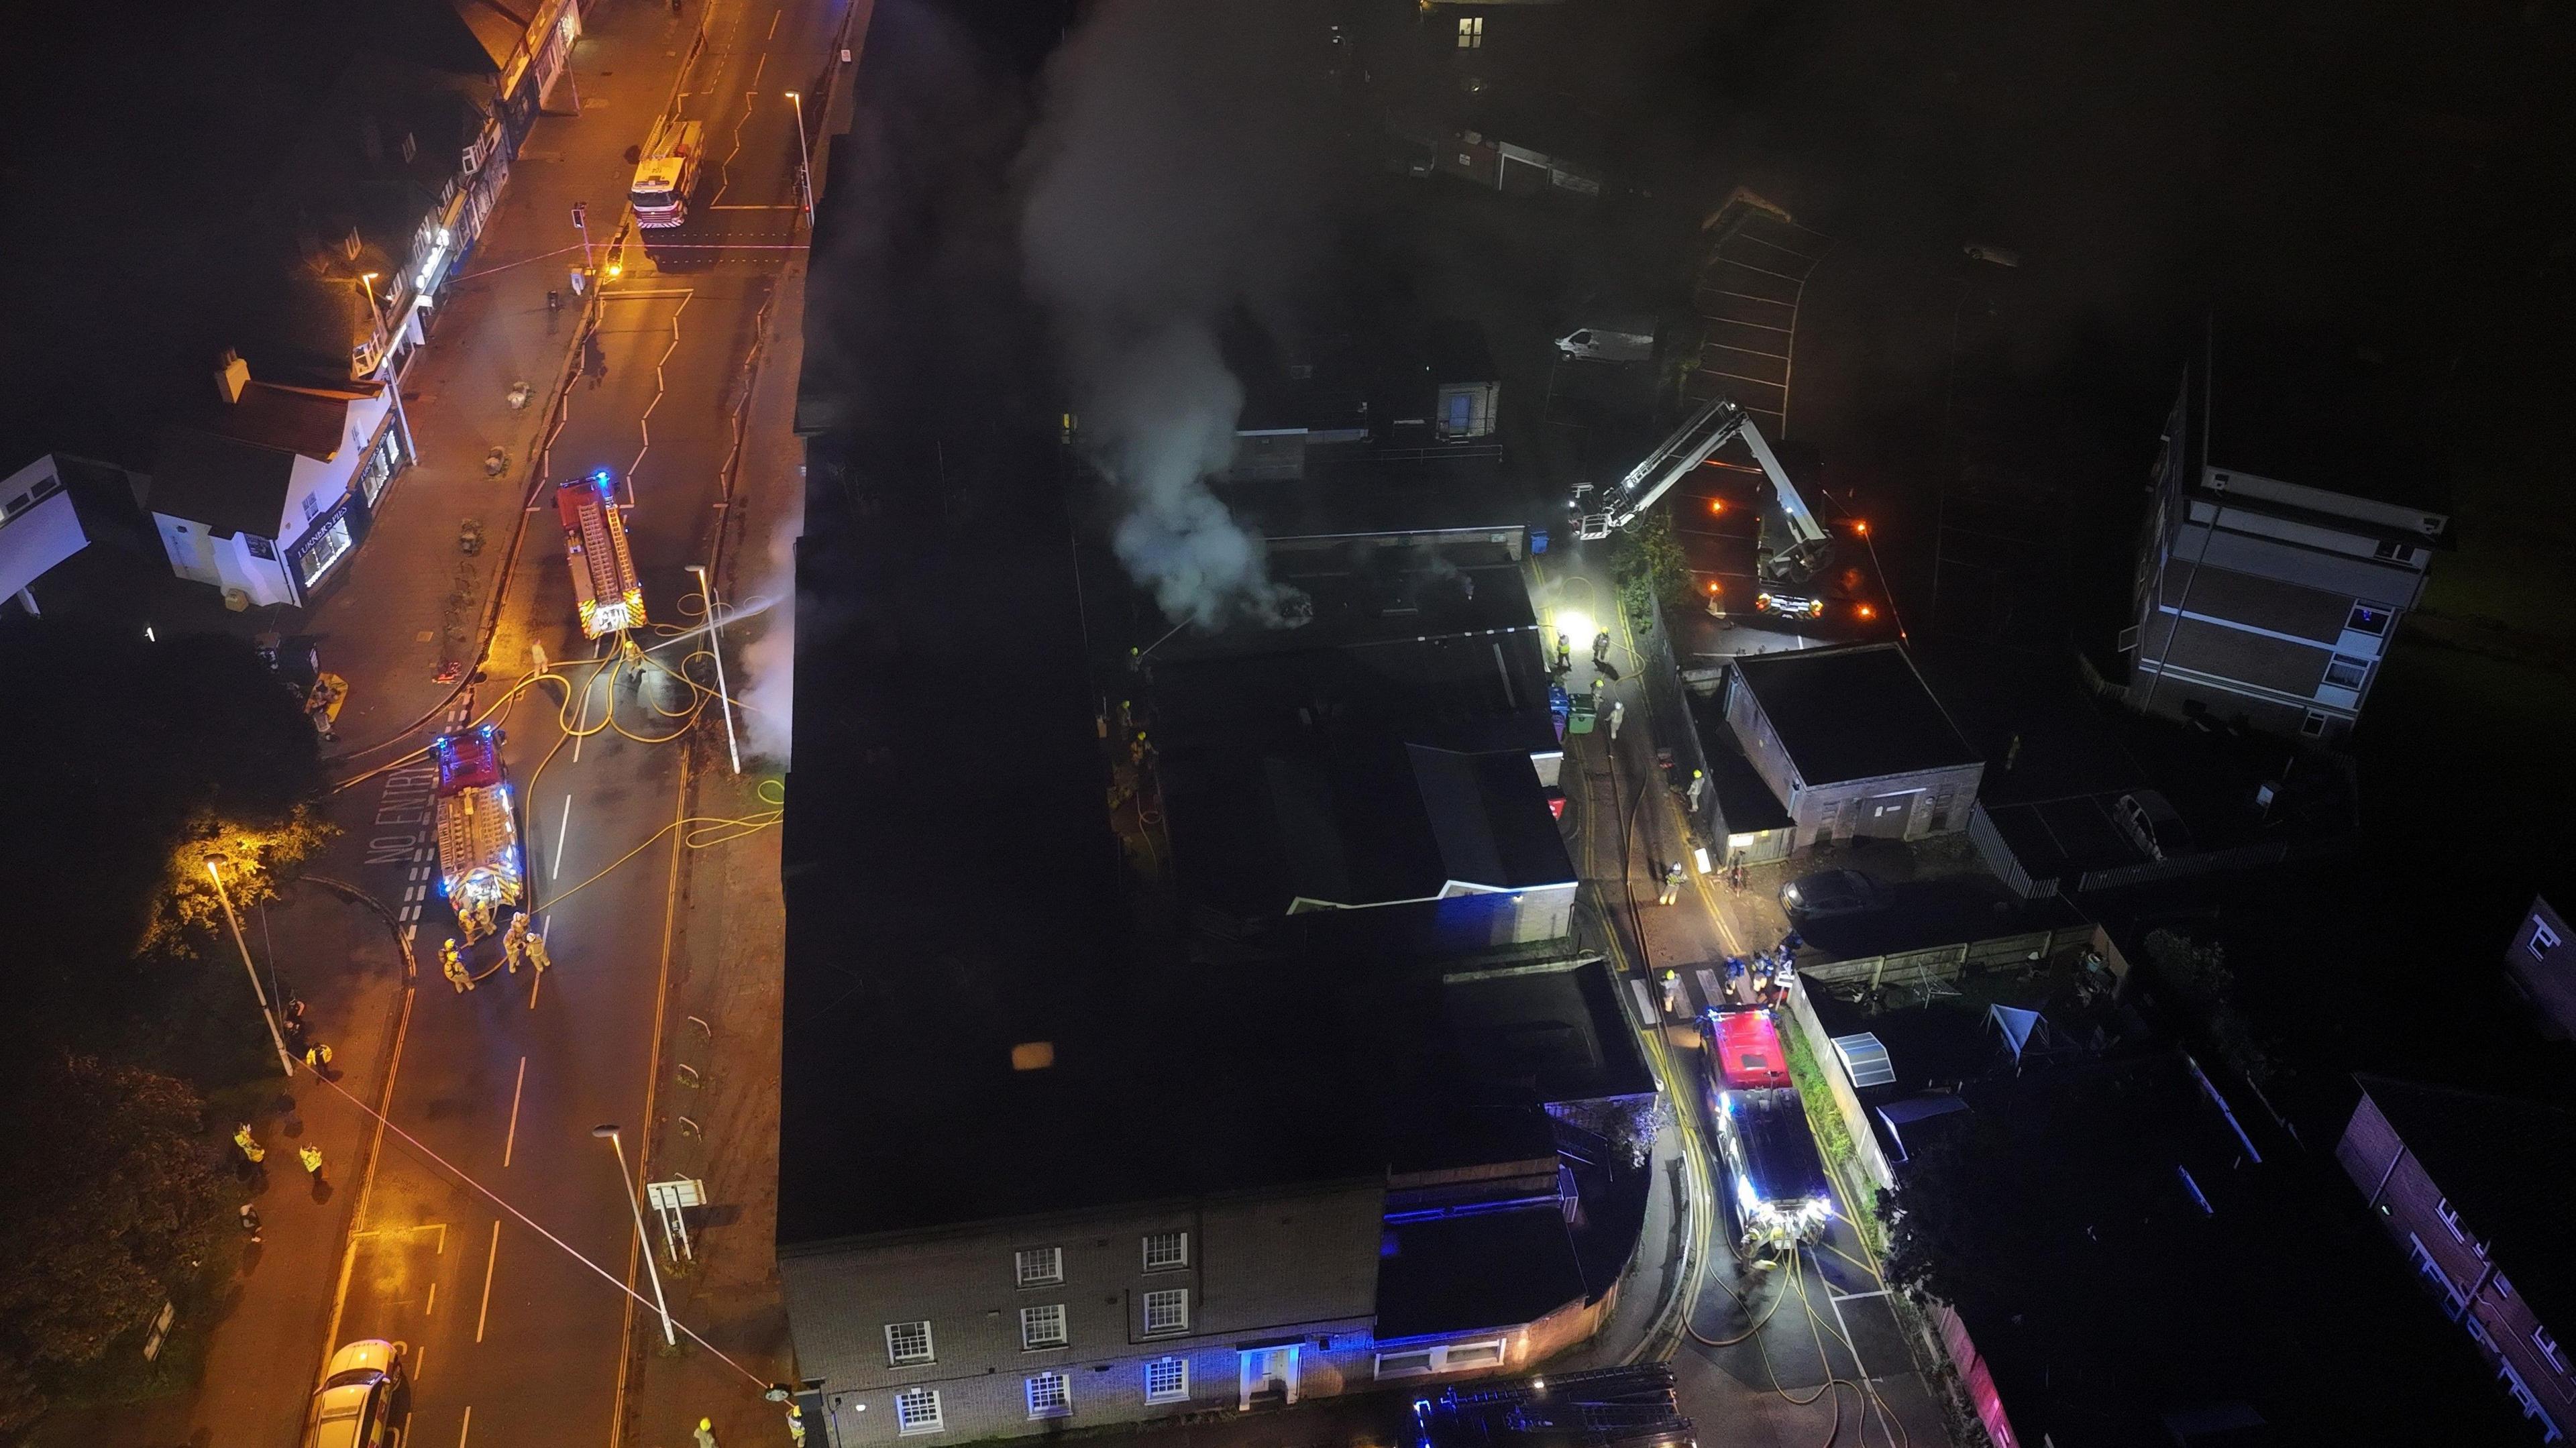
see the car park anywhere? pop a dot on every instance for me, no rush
(2151, 823)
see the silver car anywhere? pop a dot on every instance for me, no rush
(354, 1408)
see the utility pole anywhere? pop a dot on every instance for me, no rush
(609, 1131)
(715, 645)
(804, 163)
(285, 1062)
(384, 366)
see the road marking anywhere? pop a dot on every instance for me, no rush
(510, 1143)
(430, 1308)
(636, 1245)
(367, 1179)
(774, 17)
(488, 1264)
(468, 1428)
(563, 832)
(417, 1371)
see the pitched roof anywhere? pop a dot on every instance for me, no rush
(306, 420)
(2509, 1167)
(227, 485)
(1853, 713)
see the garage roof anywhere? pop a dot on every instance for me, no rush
(1853, 713)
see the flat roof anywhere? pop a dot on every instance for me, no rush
(2306, 407)
(1446, 1275)
(1853, 713)
(1745, 803)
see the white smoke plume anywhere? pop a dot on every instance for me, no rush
(1170, 182)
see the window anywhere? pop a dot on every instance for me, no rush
(2543, 939)
(2548, 1345)
(2450, 1216)
(1471, 32)
(1039, 1266)
(2346, 673)
(1042, 1326)
(1167, 1311)
(1049, 1396)
(259, 547)
(2313, 724)
(1403, 1364)
(2503, 1287)
(1473, 1355)
(916, 1410)
(1166, 1251)
(907, 1343)
(1167, 1380)
(323, 547)
(2393, 551)
(2369, 618)
(312, 506)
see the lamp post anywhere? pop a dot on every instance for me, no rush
(804, 162)
(384, 365)
(285, 1062)
(641, 1240)
(715, 645)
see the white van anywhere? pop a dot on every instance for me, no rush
(1633, 342)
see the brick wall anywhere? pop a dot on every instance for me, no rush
(2451, 1263)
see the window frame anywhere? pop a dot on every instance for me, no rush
(2542, 939)
(929, 1345)
(1035, 1313)
(1145, 1251)
(2546, 1342)
(2449, 1217)
(1063, 1405)
(2357, 669)
(905, 1426)
(1049, 1276)
(1169, 1296)
(1471, 32)
(1179, 1393)
(2354, 622)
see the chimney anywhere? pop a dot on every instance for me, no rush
(232, 374)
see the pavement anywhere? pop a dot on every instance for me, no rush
(477, 1219)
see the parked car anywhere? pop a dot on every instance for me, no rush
(2151, 823)
(1788, 605)
(354, 1407)
(1626, 342)
(1829, 893)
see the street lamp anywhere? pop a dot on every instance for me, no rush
(804, 162)
(384, 364)
(715, 645)
(642, 1241)
(285, 1062)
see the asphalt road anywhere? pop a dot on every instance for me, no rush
(514, 1314)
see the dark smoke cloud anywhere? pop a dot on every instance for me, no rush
(1173, 179)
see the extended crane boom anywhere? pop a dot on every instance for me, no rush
(1793, 545)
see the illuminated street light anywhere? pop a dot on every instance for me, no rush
(609, 1131)
(804, 162)
(715, 645)
(285, 1062)
(384, 364)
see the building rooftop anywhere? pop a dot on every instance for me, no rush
(2316, 411)
(2509, 1167)
(1449, 1275)
(229, 486)
(1853, 713)
(1745, 804)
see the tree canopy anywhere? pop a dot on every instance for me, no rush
(123, 749)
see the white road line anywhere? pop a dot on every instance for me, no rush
(430, 1308)
(563, 831)
(774, 17)
(488, 1263)
(510, 1143)
(468, 1428)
